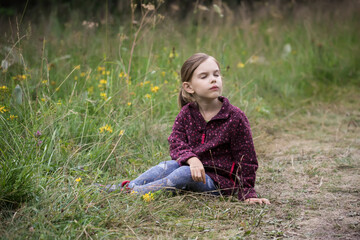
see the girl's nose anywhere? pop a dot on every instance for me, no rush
(213, 80)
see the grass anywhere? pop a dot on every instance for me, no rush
(87, 115)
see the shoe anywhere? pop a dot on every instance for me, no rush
(124, 186)
(125, 183)
(113, 187)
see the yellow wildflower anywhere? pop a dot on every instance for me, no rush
(19, 77)
(12, 117)
(129, 103)
(4, 88)
(107, 128)
(103, 81)
(3, 109)
(57, 89)
(147, 96)
(121, 132)
(103, 95)
(103, 72)
(43, 99)
(44, 81)
(163, 74)
(59, 102)
(76, 78)
(107, 72)
(77, 67)
(82, 74)
(90, 90)
(147, 82)
(155, 89)
(240, 65)
(166, 82)
(121, 74)
(53, 83)
(148, 197)
(141, 84)
(173, 54)
(78, 179)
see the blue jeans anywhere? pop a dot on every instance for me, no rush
(170, 175)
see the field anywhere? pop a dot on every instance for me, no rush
(93, 101)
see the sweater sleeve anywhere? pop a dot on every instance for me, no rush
(243, 150)
(179, 147)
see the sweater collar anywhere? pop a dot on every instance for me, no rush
(222, 114)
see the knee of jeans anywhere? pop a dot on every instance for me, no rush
(170, 163)
(185, 171)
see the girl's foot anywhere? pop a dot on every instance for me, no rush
(112, 188)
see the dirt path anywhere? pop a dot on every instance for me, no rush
(311, 171)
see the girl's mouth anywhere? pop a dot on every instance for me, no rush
(214, 88)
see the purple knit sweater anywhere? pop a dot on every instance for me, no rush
(224, 145)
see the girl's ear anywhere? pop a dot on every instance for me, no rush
(187, 87)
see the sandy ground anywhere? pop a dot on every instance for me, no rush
(311, 172)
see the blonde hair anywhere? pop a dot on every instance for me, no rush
(187, 70)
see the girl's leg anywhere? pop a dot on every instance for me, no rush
(180, 178)
(157, 172)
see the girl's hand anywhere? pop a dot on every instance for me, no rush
(197, 169)
(257, 200)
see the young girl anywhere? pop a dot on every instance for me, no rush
(211, 141)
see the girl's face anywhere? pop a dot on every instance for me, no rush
(206, 82)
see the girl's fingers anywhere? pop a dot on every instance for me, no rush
(266, 201)
(250, 201)
(203, 176)
(257, 200)
(197, 174)
(194, 174)
(200, 176)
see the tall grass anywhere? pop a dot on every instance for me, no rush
(87, 117)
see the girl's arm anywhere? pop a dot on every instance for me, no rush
(182, 152)
(243, 150)
(179, 148)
